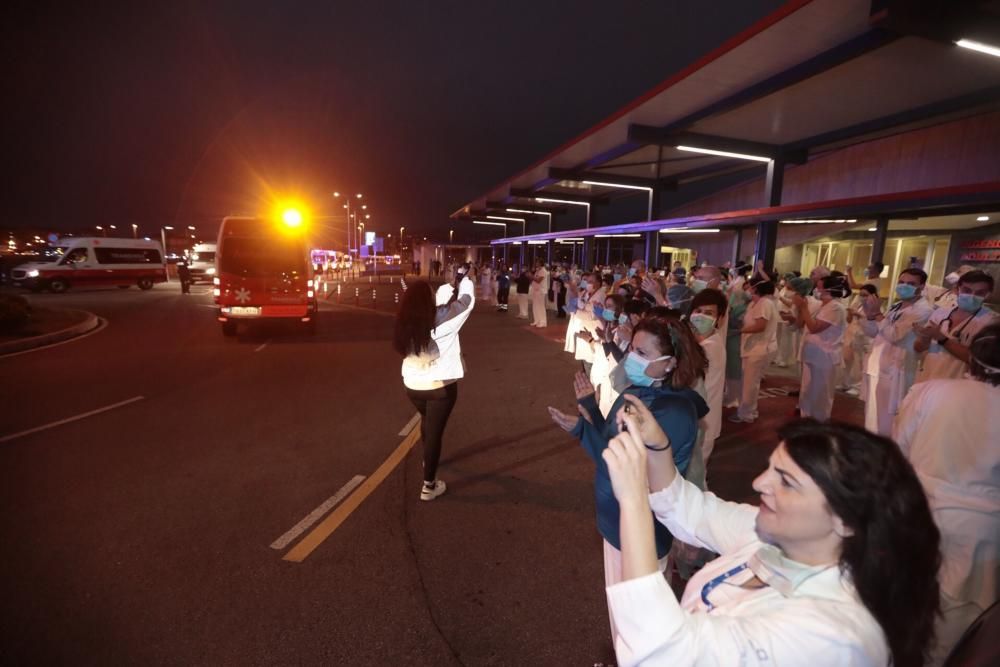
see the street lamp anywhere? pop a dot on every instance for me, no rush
(101, 230)
(451, 235)
(135, 231)
(347, 205)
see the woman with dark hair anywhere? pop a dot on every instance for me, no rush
(426, 336)
(664, 362)
(836, 567)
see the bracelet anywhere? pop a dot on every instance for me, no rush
(657, 449)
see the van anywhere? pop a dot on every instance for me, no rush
(263, 273)
(97, 261)
(202, 262)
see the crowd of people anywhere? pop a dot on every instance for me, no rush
(871, 545)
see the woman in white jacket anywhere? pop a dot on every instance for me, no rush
(837, 566)
(426, 336)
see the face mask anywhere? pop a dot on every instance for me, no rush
(970, 303)
(631, 272)
(608, 315)
(905, 291)
(623, 319)
(952, 278)
(598, 310)
(618, 277)
(818, 293)
(635, 369)
(702, 323)
(698, 285)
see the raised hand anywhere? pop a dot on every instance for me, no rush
(564, 421)
(626, 460)
(635, 417)
(582, 385)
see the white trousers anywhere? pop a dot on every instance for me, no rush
(753, 373)
(880, 408)
(538, 309)
(816, 393)
(786, 344)
(522, 306)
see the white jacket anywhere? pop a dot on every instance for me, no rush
(443, 362)
(806, 616)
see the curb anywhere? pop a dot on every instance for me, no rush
(89, 322)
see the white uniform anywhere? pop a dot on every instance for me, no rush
(537, 293)
(822, 356)
(856, 345)
(891, 366)
(788, 334)
(949, 431)
(715, 384)
(939, 363)
(757, 351)
(804, 615)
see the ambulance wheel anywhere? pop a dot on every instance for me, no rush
(229, 328)
(58, 285)
(145, 283)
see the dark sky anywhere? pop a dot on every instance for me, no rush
(189, 111)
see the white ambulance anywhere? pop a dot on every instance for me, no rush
(96, 261)
(202, 262)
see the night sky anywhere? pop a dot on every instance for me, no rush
(188, 111)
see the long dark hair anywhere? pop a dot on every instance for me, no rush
(415, 319)
(893, 553)
(676, 339)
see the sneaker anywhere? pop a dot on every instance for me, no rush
(432, 490)
(853, 392)
(736, 419)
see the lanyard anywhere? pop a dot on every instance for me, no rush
(712, 584)
(954, 334)
(896, 312)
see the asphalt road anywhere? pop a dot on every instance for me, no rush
(141, 534)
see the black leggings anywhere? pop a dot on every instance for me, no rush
(434, 406)
(503, 294)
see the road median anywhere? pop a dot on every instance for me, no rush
(49, 326)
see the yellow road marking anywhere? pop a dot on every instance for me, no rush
(310, 542)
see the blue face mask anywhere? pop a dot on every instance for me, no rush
(698, 285)
(635, 369)
(618, 277)
(905, 291)
(608, 315)
(631, 272)
(970, 303)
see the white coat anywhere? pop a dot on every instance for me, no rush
(891, 366)
(804, 616)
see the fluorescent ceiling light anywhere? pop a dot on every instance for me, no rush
(709, 151)
(544, 200)
(606, 236)
(485, 222)
(979, 46)
(572, 239)
(618, 185)
(537, 242)
(500, 217)
(817, 222)
(982, 218)
(521, 210)
(873, 229)
(685, 230)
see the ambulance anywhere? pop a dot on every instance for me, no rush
(97, 261)
(201, 263)
(263, 272)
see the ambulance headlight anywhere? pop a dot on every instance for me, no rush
(33, 273)
(210, 271)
